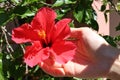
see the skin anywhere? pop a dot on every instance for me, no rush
(94, 57)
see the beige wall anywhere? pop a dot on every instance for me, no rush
(113, 21)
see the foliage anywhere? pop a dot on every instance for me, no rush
(11, 63)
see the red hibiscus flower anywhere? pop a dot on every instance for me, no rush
(47, 38)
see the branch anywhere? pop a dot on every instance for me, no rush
(9, 47)
(113, 6)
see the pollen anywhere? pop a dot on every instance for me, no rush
(42, 34)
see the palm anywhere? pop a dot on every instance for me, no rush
(87, 59)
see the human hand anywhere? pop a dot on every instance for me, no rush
(93, 58)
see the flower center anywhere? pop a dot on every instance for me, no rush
(47, 45)
(44, 41)
(42, 34)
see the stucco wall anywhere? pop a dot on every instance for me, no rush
(113, 21)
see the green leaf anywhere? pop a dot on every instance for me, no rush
(20, 10)
(89, 14)
(58, 3)
(4, 18)
(78, 15)
(118, 6)
(2, 10)
(74, 78)
(103, 7)
(110, 40)
(27, 2)
(70, 1)
(24, 11)
(94, 24)
(1, 73)
(117, 38)
(2, 0)
(72, 24)
(60, 14)
(118, 27)
(15, 1)
(1, 54)
(28, 13)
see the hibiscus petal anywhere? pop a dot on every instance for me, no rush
(62, 29)
(23, 33)
(44, 19)
(63, 51)
(35, 54)
(31, 54)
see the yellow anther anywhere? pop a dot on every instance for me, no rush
(42, 34)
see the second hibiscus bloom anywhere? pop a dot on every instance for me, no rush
(47, 38)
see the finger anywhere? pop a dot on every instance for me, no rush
(74, 69)
(80, 33)
(51, 62)
(54, 71)
(75, 32)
